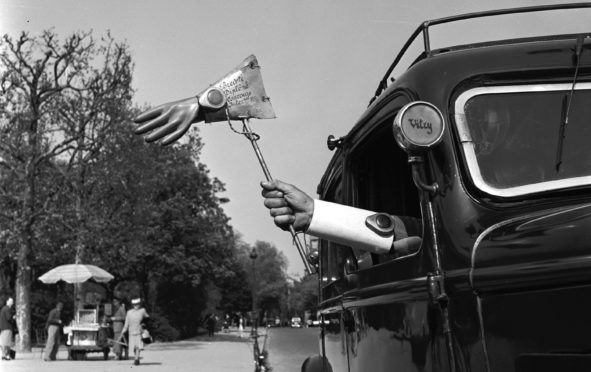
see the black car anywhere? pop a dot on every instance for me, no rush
(498, 173)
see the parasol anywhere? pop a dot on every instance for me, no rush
(76, 273)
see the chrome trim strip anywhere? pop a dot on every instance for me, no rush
(331, 310)
(414, 289)
(481, 238)
(533, 217)
(468, 145)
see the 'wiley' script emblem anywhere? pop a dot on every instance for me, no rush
(421, 124)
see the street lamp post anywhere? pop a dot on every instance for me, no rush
(253, 257)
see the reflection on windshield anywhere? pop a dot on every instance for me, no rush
(515, 137)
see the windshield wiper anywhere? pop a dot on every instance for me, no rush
(566, 102)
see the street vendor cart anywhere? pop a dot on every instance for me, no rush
(87, 335)
(89, 331)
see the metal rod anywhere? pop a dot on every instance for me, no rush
(443, 299)
(253, 140)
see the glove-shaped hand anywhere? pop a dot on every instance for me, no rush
(169, 121)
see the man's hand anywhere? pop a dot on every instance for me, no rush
(169, 121)
(288, 205)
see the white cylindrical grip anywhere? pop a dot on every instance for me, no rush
(346, 225)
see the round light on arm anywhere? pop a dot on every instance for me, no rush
(418, 126)
(213, 99)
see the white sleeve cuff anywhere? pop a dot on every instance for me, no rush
(346, 225)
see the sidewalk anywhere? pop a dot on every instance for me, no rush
(225, 352)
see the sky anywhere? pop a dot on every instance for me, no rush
(321, 61)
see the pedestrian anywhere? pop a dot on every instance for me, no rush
(227, 322)
(241, 326)
(53, 327)
(118, 319)
(6, 328)
(134, 323)
(210, 325)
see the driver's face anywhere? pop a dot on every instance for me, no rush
(493, 125)
(491, 131)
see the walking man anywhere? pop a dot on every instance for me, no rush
(6, 328)
(133, 325)
(53, 327)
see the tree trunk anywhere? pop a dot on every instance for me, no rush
(25, 233)
(23, 304)
(23, 273)
(152, 294)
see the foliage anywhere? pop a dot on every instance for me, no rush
(304, 295)
(235, 289)
(266, 276)
(77, 185)
(161, 329)
(58, 101)
(156, 220)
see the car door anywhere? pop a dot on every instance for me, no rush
(332, 283)
(388, 319)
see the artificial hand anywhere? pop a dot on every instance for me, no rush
(169, 121)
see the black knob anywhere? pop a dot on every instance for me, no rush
(383, 221)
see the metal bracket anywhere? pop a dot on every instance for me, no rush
(437, 293)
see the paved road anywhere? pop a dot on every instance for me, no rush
(288, 347)
(225, 353)
(192, 356)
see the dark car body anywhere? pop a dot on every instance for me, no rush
(502, 280)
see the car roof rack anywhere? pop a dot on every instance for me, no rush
(424, 29)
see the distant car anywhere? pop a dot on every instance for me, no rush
(296, 322)
(275, 322)
(312, 323)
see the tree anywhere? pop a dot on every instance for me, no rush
(267, 276)
(77, 183)
(303, 295)
(59, 100)
(156, 220)
(236, 294)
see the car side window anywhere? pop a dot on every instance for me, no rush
(381, 181)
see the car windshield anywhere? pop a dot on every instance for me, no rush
(510, 137)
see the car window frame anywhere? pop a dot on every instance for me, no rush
(468, 149)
